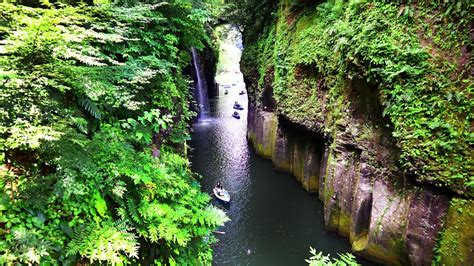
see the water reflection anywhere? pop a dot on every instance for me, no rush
(273, 219)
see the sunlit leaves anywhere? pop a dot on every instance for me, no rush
(86, 93)
(318, 259)
(23, 135)
(106, 242)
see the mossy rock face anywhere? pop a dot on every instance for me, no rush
(368, 80)
(344, 224)
(380, 254)
(457, 240)
(389, 218)
(262, 131)
(283, 151)
(426, 216)
(361, 206)
(288, 151)
(336, 63)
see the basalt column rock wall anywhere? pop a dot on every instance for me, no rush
(356, 101)
(293, 150)
(388, 221)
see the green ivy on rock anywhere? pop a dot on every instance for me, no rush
(412, 56)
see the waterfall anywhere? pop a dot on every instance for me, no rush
(200, 89)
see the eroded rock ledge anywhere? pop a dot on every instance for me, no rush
(386, 218)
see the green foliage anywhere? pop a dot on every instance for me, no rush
(87, 94)
(453, 247)
(106, 242)
(26, 247)
(318, 259)
(256, 14)
(414, 64)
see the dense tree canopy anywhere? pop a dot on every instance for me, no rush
(94, 109)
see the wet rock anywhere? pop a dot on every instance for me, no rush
(361, 206)
(263, 131)
(390, 207)
(342, 172)
(386, 218)
(283, 151)
(288, 152)
(322, 172)
(425, 220)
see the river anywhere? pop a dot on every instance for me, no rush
(274, 220)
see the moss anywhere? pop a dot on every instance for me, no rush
(265, 146)
(273, 129)
(332, 218)
(457, 239)
(317, 52)
(270, 123)
(394, 255)
(313, 183)
(328, 176)
(360, 242)
(345, 224)
(382, 255)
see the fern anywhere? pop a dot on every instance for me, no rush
(27, 248)
(318, 259)
(132, 211)
(90, 108)
(68, 71)
(108, 242)
(81, 124)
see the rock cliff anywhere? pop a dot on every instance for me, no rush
(387, 220)
(330, 126)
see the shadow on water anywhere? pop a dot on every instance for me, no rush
(274, 220)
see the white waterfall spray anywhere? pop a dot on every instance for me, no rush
(200, 89)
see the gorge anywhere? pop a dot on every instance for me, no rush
(320, 109)
(351, 141)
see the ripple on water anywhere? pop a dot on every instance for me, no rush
(273, 219)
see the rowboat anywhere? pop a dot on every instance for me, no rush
(236, 115)
(222, 194)
(238, 107)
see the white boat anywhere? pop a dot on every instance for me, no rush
(222, 194)
(236, 115)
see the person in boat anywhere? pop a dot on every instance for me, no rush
(237, 106)
(219, 188)
(236, 114)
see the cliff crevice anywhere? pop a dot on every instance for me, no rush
(350, 99)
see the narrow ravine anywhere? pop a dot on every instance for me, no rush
(274, 220)
(337, 128)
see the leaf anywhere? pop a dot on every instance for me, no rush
(100, 204)
(139, 135)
